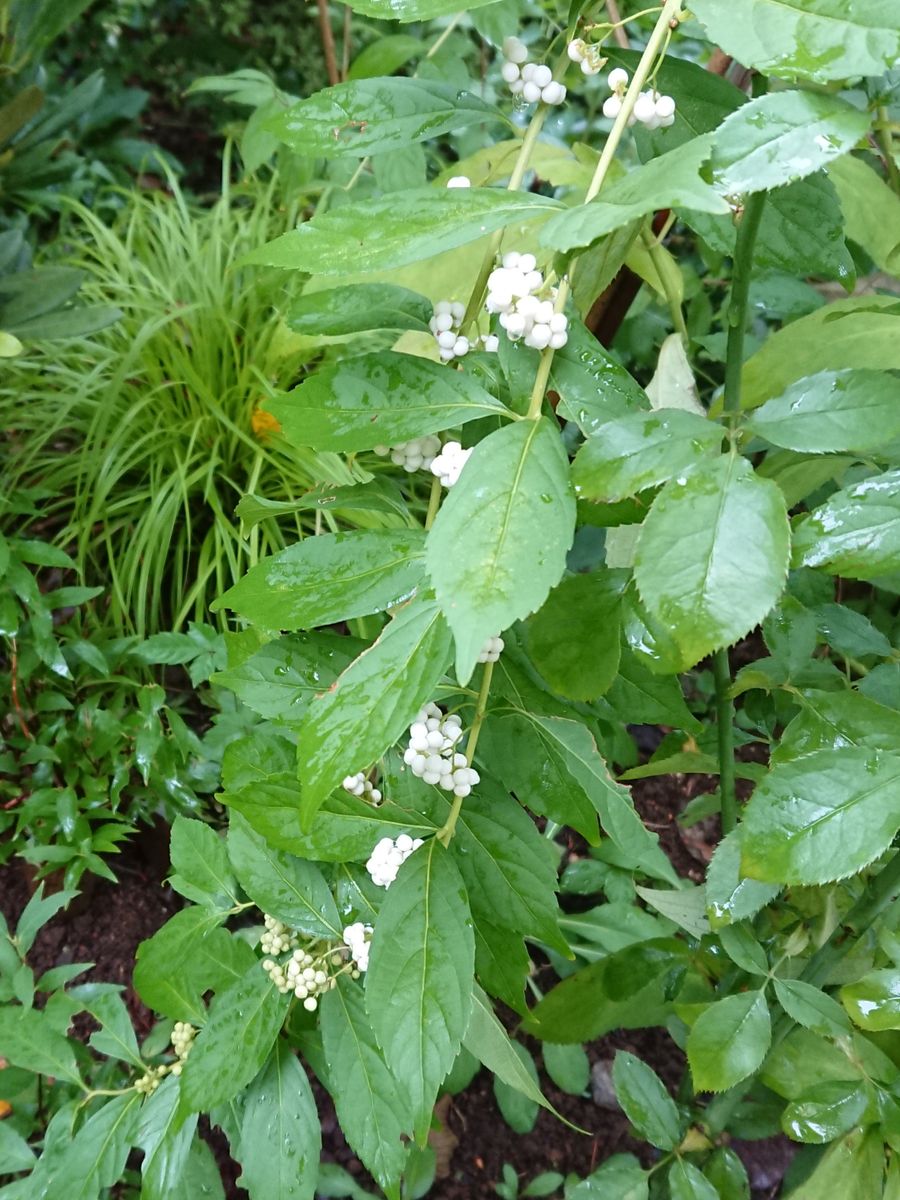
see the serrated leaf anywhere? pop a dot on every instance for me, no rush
(280, 1140)
(781, 137)
(201, 863)
(514, 512)
(821, 817)
(286, 887)
(574, 638)
(396, 229)
(641, 450)
(831, 411)
(379, 399)
(372, 116)
(372, 703)
(229, 1051)
(420, 978)
(670, 181)
(818, 40)
(712, 555)
(372, 1111)
(339, 311)
(729, 1041)
(645, 1101)
(329, 578)
(856, 532)
(811, 1007)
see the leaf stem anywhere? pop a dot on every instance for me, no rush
(670, 12)
(445, 833)
(742, 272)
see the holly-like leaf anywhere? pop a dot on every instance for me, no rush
(832, 411)
(420, 978)
(288, 888)
(229, 1051)
(728, 1041)
(640, 450)
(372, 1111)
(373, 116)
(670, 181)
(280, 1139)
(329, 578)
(645, 1101)
(501, 536)
(366, 711)
(339, 311)
(712, 555)
(821, 817)
(818, 40)
(856, 532)
(379, 399)
(399, 228)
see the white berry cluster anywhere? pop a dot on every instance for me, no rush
(491, 650)
(448, 465)
(389, 856)
(277, 937)
(512, 289)
(358, 939)
(651, 110)
(183, 1034)
(531, 81)
(358, 785)
(445, 327)
(432, 755)
(413, 455)
(586, 55)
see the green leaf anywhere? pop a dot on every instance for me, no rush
(826, 1112)
(189, 956)
(574, 638)
(281, 678)
(729, 897)
(781, 137)
(645, 1101)
(372, 116)
(641, 450)
(712, 555)
(360, 307)
(821, 817)
(372, 703)
(419, 982)
(856, 532)
(620, 1178)
(519, 1111)
(489, 1042)
(860, 332)
(873, 1002)
(871, 211)
(729, 1041)
(818, 40)
(380, 399)
(514, 512)
(811, 1007)
(568, 1066)
(686, 1182)
(851, 1169)
(230, 1050)
(96, 1157)
(392, 230)
(831, 411)
(371, 1110)
(200, 861)
(670, 181)
(330, 578)
(286, 887)
(30, 1041)
(280, 1140)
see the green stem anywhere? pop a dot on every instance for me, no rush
(670, 12)
(742, 273)
(449, 827)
